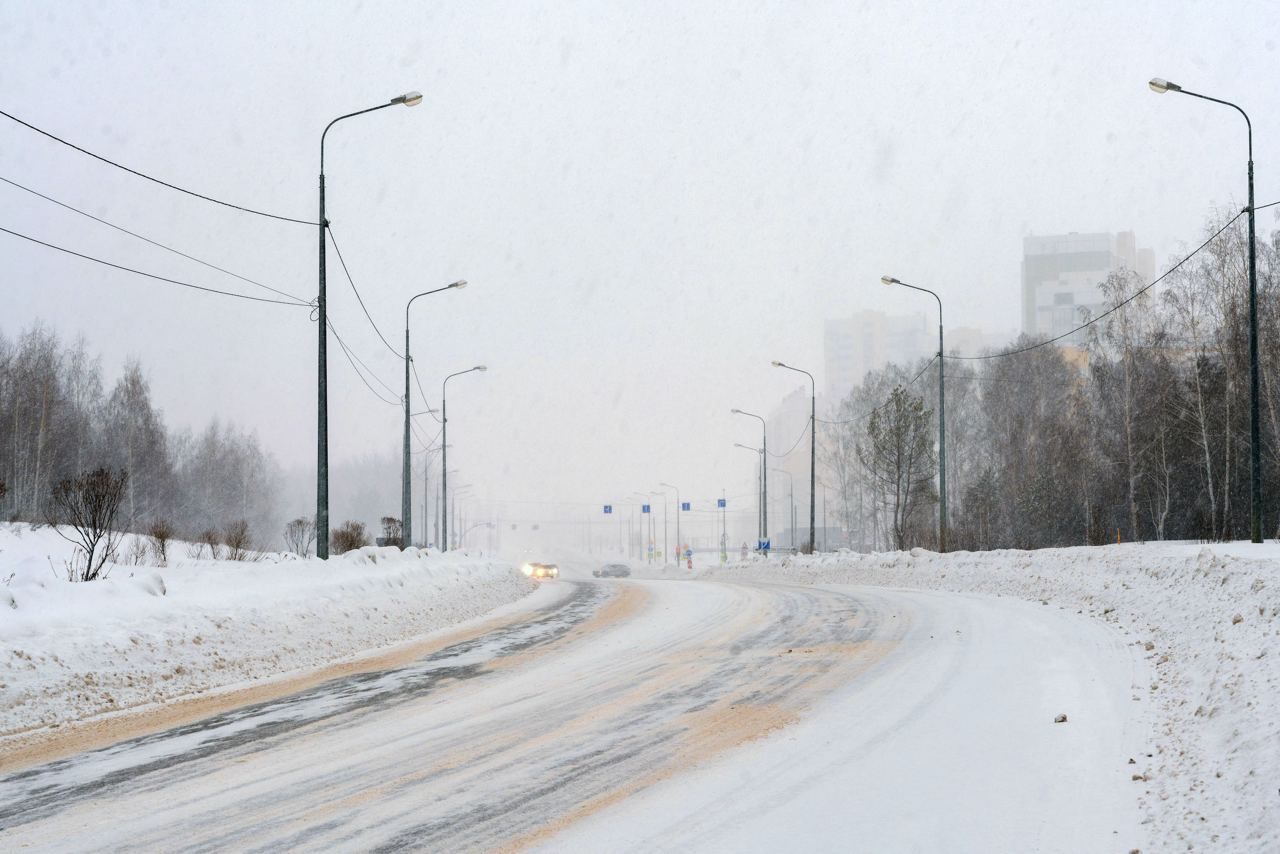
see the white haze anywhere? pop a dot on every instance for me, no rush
(651, 201)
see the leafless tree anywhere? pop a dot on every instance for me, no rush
(236, 538)
(392, 531)
(300, 536)
(160, 532)
(89, 504)
(350, 536)
(213, 540)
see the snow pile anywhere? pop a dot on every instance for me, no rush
(149, 634)
(1207, 619)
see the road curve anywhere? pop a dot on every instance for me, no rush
(487, 744)
(594, 703)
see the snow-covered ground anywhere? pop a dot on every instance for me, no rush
(149, 635)
(1205, 618)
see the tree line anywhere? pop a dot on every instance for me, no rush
(58, 422)
(1139, 432)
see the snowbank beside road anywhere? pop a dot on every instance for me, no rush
(1207, 619)
(148, 635)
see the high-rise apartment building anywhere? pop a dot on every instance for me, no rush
(869, 340)
(1061, 274)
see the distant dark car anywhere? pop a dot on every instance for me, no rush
(612, 570)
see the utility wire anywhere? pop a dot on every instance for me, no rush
(875, 409)
(149, 178)
(149, 240)
(352, 359)
(418, 381)
(333, 238)
(803, 433)
(1118, 305)
(153, 275)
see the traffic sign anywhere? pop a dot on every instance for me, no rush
(608, 508)
(720, 502)
(688, 553)
(644, 508)
(684, 505)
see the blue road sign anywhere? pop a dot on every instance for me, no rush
(720, 502)
(684, 505)
(762, 545)
(644, 508)
(688, 553)
(608, 508)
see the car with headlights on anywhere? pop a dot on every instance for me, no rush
(541, 571)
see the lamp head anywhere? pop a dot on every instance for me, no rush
(480, 368)
(409, 99)
(461, 283)
(1162, 86)
(735, 411)
(777, 364)
(889, 280)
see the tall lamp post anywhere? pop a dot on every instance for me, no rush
(409, 99)
(813, 449)
(764, 471)
(1255, 425)
(942, 416)
(444, 454)
(762, 495)
(406, 479)
(677, 490)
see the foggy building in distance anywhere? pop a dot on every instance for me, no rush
(1061, 274)
(869, 340)
(788, 425)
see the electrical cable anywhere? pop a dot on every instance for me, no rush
(149, 240)
(875, 409)
(803, 433)
(359, 298)
(153, 275)
(1115, 307)
(155, 180)
(418, 381)
(352, 359)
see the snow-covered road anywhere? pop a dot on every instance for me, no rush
(652, 715)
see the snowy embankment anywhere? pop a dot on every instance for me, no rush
(1207, 620)
(147, 635)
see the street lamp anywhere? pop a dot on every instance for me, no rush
(1255, 424)
(409, 99)
(664, 513)
(764, 471)
(444, 453)
(791, 490)
(942, 417)
(813, 448)
(406, 480)
(763, 532)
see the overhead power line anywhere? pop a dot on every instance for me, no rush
(153, 275)
(153, 179)
(1118, 305)
(353, 359)
(876, 409)
(359, 298)
(803, 433)
(149, 240)
(417, 380)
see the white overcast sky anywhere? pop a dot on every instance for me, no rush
(651, 200)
